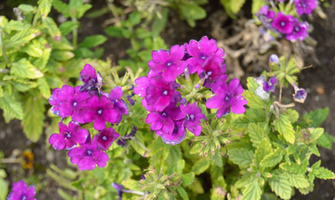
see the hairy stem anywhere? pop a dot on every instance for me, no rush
(280, 92)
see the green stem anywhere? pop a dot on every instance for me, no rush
(280, 92)
(3, 48)
(74, 33)
(142, 145)
(133, 192)
(36, 16)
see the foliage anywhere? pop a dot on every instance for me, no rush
(37, 57)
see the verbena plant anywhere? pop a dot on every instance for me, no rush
(36, 56)
(187, 133)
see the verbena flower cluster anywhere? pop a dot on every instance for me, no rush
(86, 104)
(285, 24)
(170, 112)
(20, 191)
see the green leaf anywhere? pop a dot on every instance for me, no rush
(64, 195)
(298, 180)
(251, 84)
(62, 55)
(24, 69)
(134, 19)
(26, 9)
(8, 104)
(200, 166)
(284, 127)
(33, 119)
(326, 140)
(316, 133)
(241, 157)
(24, 85)
(67, 27)
(41, 63)
(237, 5)
(82, 9)
(138, 148)
(131, 184)
(21, 38)
(252, 192)
(293, 115)
(256, 134)
(158, 24)
(187, 178)
(256, 6)
(44, 8)
(272, 159)
(323, 173)
(217, 159)
(93, 41)
(318, 117)
(262, 151)
(1, 92)
(253, 100)
(314, 150)
(114, 31)
(182, 192)
(44, 87)
(61, 7)
(293, 168)
(52, 28)
(4, 189)
(281, 186)
(34, 49)
(191, 12)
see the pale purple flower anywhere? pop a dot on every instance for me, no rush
(68, 136)
(168, 62)
(119, 189)
(227, 98)
(200, 51)
(274, 58)
(283, 23)
(300, 94)
(212, 71)
(178, 134)
(119, 105)
(305, 6)
(87, 156)
(193, 116)
(100, 110)
(299, 31)
(163, 122)
(269, 86)
(105, 138)
(159, 94)
(20, 191)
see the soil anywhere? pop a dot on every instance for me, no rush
(317, 80)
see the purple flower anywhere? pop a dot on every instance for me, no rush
(142, 84)
(92, 80)
(88, 73)
(54, 101)
(193, 115)
(266, 12)
(168, 62)
(119, 189)
(105, 138)
(100, 110)
(300, 94)
(283, 23)
(72, 102)
(68, 136)
(21, 191)
(178, 134)
(200, 51)
(274, 58)
(212, 71)
(119, 105)
(163, 122)
(228, 98)
(270, 85)
(299, 31)
(305, 6)
(159, 94)
(123, 140)
(87, 157)
(130, 99)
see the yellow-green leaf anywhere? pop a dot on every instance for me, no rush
(44, 87)
(24, 69)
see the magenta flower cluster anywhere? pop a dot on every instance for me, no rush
(86, 104)
(283, 25)
(21, 191)
(169, 112)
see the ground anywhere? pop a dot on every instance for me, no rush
(318, 81)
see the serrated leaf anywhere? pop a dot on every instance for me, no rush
(256, 134)
(1, 92)
(253, 100)
(61, 7)
(316, 133)
(272, 159)
(21, 38)
(41, 63)
(159, 23)
(237, 5)
(134, 19)
(138, 148)
(217, 159)
(200, 166)
(314, 150)
(62, 55)
(132, 184)
(240, 157)
(175, 155)
(262, 151)
(298, 180)
(33, 118)
(293, 168)
(52, 27)
(281, 186)
(33, 49)
(293, 115)
(44, 87)
(317, 117)
(67, 27)
(44, 8)
(92, 41)
(323, 173)
(187, 178)
(326, 140)
(182, 192)
(24, 85)
(284, 127)
(252, 192)
(82, 9)
(191, 12)
(11, 106)
(24, 69)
